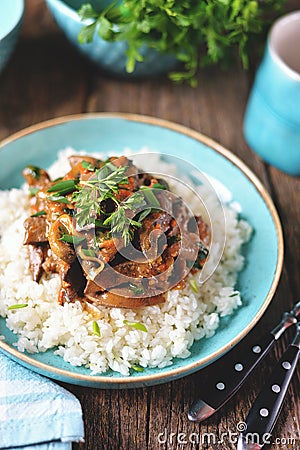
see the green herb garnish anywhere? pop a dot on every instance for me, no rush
(63, 187)
(96, 329)
(18, 306)
(39, 213)
(150, 198)
(234, 294)
(91, 195)
(196, 33)
(59, 199)
(194, 286)
(88, 166)
(120, 223)
(159, 186)
(136, 325)
(88, 252)
(137, 368)
(100, 224)
(144, 214)
(103, 185)
(71, 239)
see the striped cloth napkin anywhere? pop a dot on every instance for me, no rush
(35, 413)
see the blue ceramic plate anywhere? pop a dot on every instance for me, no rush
(105, 132)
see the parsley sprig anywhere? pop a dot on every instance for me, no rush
(196, 32)
(103, 185)
(120, 223)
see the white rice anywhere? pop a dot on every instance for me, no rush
(172, 327)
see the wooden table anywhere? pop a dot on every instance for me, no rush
(46, 78)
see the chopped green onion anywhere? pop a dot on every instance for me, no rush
(39, 213)
(100, 224)
(137, 368)
(96, 329)
(58, 199)
(88, 166)
(194, 286)
(234, 294)
(63, 187)
(88, 252)
(33, 191)
(71, 239)
(150, 198)
(158, 186)
(18, 306)
(136, 325)
(144, 214)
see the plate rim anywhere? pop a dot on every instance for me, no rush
(125, 381)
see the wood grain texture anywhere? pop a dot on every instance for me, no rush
(46, 78)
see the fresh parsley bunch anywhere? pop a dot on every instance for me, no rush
(196, 32)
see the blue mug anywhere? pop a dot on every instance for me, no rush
(272, 117)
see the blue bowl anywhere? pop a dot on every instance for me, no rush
(11, 16)
(109, 56)
(103, 132)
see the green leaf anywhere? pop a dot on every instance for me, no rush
(103, 185)
(17, 306)
(86, 34)
(63, 187)
(87, 12)
(104, 28)
(39, 213)
(134, 201)
(136, 325)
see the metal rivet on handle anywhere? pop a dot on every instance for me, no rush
(220, 386)
(256, 349)
(286, 365)
(276, 388)
(264, 412)
(239, 367)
